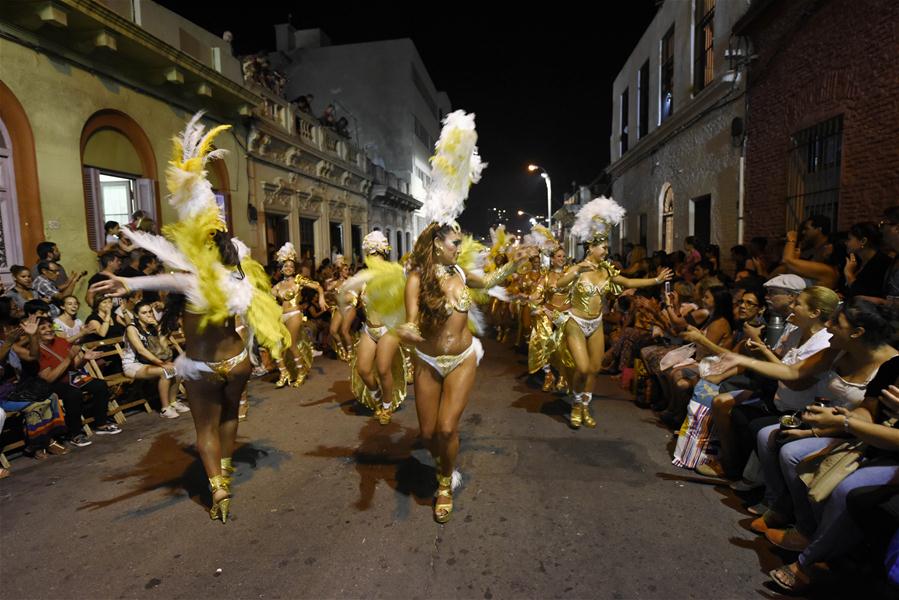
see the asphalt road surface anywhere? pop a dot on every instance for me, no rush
(329, 504)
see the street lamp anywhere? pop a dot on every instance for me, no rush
(549, 194)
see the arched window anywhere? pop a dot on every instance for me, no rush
(119, 173)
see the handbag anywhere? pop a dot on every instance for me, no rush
(823, 471)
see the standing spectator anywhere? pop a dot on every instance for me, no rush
(758, 257)
(21, 291)
(149, 265)
(819, 267)
(132, 267)
(113, 230)
(110, 263)
(328, 119)
(60, 366)
(45, 285)
(67, 325)
(866, 266)
(147, 225)
(49, 251)
(691, 258)
(815, 239)
(136, 217)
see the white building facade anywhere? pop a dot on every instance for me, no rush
(677, 128)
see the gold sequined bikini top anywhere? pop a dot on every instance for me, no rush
(463, 304)
(583, 292)
(292, 295)
(554, 289)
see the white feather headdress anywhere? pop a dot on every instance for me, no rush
(543, 238)
(454, 167)
(286, 252)
(375, 243)
(594, 221)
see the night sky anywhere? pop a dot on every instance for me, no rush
(538, 81)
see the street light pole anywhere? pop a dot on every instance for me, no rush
(549, 193)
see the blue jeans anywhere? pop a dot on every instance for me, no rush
(796, 502)
(779, 466)
(837, 532)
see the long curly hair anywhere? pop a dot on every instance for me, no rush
(431, 300)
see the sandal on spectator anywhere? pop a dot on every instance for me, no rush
(57, 449)
(4, 473)
(757, 509)
(791, 578)
(788, 539)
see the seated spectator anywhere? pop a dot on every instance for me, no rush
(704, 276)
(21, 291)
(149, 265)
(45, 287)
(61, 367)
(148, 355)
(866, 265)
(110, 264)
(740, 257)
(67, 325)
(124, 312)
(718, 329)
(38, 308)
(31, 397)
(825, 531)
(635, 332)
(101, 323)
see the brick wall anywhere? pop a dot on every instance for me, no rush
(818, 59)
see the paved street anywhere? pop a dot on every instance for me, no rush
(330, 504)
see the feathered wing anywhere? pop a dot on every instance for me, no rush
(472, 254)
(385, 291)
(162, 248)
(454, 167)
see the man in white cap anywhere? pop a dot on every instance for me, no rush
(781, 291)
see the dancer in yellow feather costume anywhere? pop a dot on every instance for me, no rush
(294, 366)
(220, 283)
(377, 366)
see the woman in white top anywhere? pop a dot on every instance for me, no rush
(68, 325)
(140, 362)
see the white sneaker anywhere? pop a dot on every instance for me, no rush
(169, 412)
(180, 406)
(316, 353)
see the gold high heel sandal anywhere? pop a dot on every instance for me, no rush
(221, 508)
(228, 470)
(588, 418)
(576, 415)
(443, 511)
(383, 415)
(548, 381)
(285, 376)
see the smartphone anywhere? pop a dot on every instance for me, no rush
(667, 288)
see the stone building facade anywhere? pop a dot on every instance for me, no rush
(676, 144)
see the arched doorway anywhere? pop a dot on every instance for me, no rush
(666, 219)
(119, 173)
(10, 232)
(23, 222)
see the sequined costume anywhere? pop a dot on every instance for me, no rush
(290, 296)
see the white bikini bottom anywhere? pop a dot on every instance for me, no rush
(193, 370)
(375, 333)
(286, 316)
(588, 326)
(447, 363)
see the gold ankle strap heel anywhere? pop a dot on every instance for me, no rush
(443, 510)
(221, 507)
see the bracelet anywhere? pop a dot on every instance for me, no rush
(412, 327)
(846, 424)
